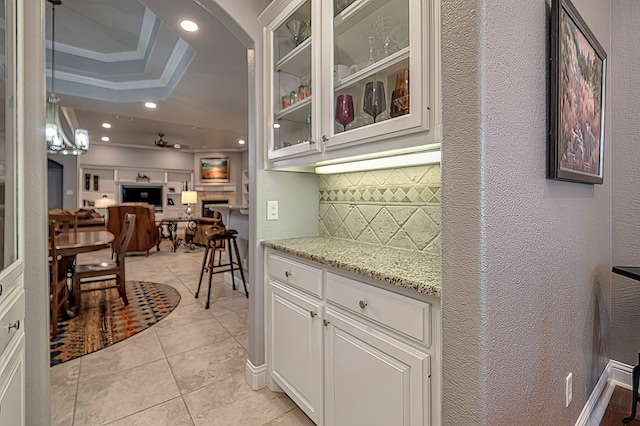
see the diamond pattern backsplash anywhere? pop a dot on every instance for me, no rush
(393, 207)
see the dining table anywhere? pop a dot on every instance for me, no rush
(70, 244)
(73, 243)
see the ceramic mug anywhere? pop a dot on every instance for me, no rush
(341, 71)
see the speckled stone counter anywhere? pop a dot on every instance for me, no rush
(403, 268)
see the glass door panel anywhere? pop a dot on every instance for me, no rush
(292, 124)
(8, 187)
(371, 55)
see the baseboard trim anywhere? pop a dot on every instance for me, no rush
(614, 374)
(256, 377)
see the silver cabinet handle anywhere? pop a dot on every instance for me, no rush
(1, 289)
(325, 322)
(324, 138)
(362, 304)
(312, 314)
(15, 325)
(287, 274)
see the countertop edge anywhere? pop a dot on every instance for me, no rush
(419, 287)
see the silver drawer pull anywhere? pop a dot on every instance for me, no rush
(313, 314)
(287, 274)
(362, 304)
(15, 325)
(325, 322)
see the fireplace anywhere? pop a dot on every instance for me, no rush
(208, 206)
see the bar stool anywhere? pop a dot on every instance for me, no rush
(219, 239)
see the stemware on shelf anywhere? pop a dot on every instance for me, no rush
(385, 27)
(298, 29)
(344, 110)
(371, 59)
(362, 118)
(374, 99)
(400, 96)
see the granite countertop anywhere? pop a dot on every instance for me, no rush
(403, 268)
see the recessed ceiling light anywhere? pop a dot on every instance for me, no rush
(105, 139)
(150, 105)
(106, 125)
(276, 125)
(189, 26)
(241, 142)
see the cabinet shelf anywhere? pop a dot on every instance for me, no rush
(297, 112)
(297, 62)
(382, 64)
(354, 12)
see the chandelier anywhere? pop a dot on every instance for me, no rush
(57, 140)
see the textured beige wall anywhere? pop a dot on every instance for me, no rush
(625, 89)
(393, 207)
(526, 260)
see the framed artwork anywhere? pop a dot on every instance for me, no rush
(214, 170)
(576, 124)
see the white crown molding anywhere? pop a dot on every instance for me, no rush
(144, 40)
(172, 67)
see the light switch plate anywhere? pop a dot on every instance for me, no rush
(272, 210)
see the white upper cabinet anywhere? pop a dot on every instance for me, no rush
(345, 73)
(291, 43)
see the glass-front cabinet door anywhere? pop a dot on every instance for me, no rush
(350, 73)
(375, 60)
(292, 46)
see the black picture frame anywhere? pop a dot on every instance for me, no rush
(575, 149)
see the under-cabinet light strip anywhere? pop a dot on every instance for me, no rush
(405, 160)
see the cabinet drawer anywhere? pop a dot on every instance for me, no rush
(408, 316)
(297, 274)
(11, 321)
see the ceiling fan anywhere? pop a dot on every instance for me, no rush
(164, 144)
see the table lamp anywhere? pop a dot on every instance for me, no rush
(189, 198)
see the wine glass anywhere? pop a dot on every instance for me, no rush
(298, 29)
(385, 27)
(362, 118)
(371, 59)
(344, 110)
(374, 99)
(400, 96)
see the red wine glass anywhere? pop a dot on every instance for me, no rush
(344, 110)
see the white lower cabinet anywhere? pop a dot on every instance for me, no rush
(371, 378)
(12, 392)
(340, 359)
(295, 322)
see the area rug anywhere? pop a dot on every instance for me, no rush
(104, 320)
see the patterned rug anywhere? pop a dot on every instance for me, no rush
(104, 320)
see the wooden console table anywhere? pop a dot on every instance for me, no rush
(633, 273)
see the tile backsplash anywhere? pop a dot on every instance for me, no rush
(393, 207)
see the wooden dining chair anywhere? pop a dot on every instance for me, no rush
(58, 279)
(105, 270)
(64, 222)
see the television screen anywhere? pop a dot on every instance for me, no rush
(143, 194)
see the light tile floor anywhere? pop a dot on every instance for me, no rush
(188, 369)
